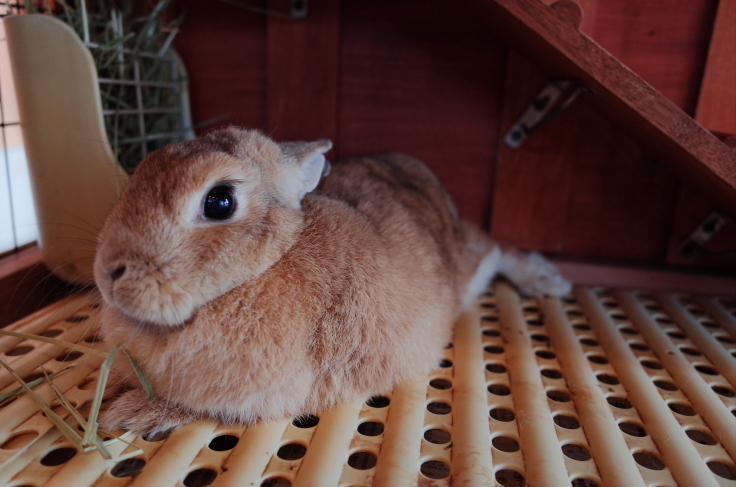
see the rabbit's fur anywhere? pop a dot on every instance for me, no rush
(303, 298)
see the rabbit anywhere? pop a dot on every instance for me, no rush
(249, 287)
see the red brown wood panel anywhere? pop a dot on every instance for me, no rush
(303, 72)
(663, 41)
(427, 82)
(692, 209)
(578, 187)
(621, 202)
(224, 50)
(533, 182)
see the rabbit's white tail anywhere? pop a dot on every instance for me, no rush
(532, 273)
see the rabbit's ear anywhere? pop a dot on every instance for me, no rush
(302, 167)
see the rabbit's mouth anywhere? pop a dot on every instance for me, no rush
(153, 300)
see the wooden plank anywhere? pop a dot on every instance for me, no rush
(224, 51)
(303, 72)
(717, 102)
(26, 285)
(676, 141)
(428, 85)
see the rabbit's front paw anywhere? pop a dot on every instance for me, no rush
(132, 411)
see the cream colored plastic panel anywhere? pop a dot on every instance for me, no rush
(602, 388)
(74, 174)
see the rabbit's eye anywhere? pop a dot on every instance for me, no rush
(220, 203)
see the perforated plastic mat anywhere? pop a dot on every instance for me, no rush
(604, 387)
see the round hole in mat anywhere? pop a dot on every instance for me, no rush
(680, 408)
(68, 356)
(534, 322)
(651, 364)
(676, 334)
(583, 482)
(628, 331)
(14, 352)
(540, 338)
(576, 452)
(598, 359)
(439, 407)
(200, 477)
(276, 482)
(589, 342)
(530, 309)
(77, 319)
(690, 351)
(493, 349)
(304, 422)
(618, 316)
(665, 385)
(648, 460)
(488, 305)
(700, 437)
(496, 368)
(370, 428)
(610, 304)
(362, 460)
(619, 402)
(491, 319)
(448, 346)
(96, 305)
(51, 333)
(499, 389)
(491, 333)
(441, 384)
(128, 467)
(723, 391)
(706, 369)
(551, 373)
(437, 436)
(510, 478)
(653, 307)
(94, 338)
(567, 422)
(158, 436)
(435, 469)
(581, 327)
(291, 451)
(559, 396)
(574, 312)
(632, 429)
(696, 311)
(505, 443)
(607, 379)
(58, 456)
(733, 353)
(19, 440)
(502, 414)
(638, 346)
(87, 384)
(545, 354)
(725, 339)
(223, 442)
(31, 377)
(378, 402)
(725, 470)
(662, 320)
(444, 363)
(569, 300)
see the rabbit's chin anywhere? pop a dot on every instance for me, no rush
(153, 308)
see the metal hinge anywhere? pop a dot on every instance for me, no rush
(554, 98)
(698, 239)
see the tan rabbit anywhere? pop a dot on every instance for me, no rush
(248, 293)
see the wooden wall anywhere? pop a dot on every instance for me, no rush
(430, 79)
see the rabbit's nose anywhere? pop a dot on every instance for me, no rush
(117, 272)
